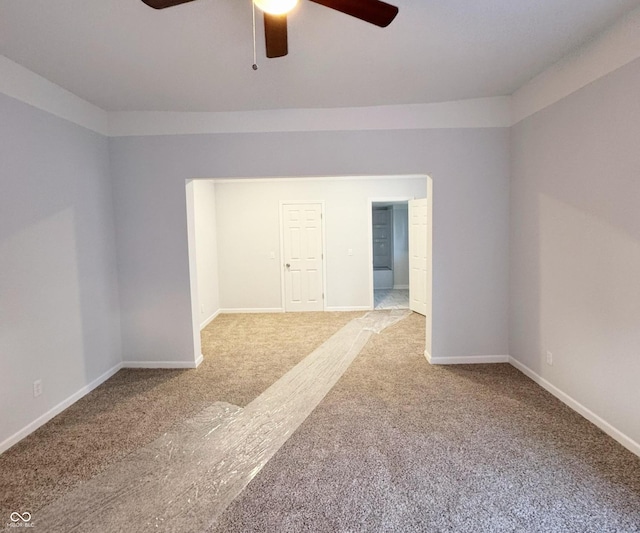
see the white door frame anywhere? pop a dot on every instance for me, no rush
(193, 273)
(283, 296)
(429, 325)
(370, 203)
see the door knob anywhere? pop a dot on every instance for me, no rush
(287, 265)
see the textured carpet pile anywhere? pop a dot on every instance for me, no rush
(396, 445)
(401, 446)
(243, 356)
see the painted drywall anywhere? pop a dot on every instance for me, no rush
(248, 215)
(59, 316)
(575, 247)
(470, 237)
(615, 47)
(206, 250)
(28, 87)
(401, 246)
(494, 112)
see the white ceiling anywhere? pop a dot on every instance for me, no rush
(124, 56)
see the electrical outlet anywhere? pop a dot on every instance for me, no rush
(549, 358)
(37, 388)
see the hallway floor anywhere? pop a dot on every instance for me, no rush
(391, 299)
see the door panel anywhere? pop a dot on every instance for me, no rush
(302, 253)
(295, 238)
(296, 288)
(314, 286)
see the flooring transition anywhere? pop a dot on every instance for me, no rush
(391, 299)
(396, 445)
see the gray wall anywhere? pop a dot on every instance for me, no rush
(59, 317)
(470, 171)
(575, 246)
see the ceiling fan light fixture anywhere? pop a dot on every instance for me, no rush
(275, 7)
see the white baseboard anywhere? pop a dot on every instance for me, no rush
(614, 433)
(199, 360)
(281, 310)
(352, 308)
(209, 320)
(163, 364)
(233, 310)
(43, 419)
(610, 430)
(467, 360)
(401, 287)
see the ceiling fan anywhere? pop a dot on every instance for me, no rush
(275, 16)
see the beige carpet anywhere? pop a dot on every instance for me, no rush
(396, 445)
(402, 446)
(185, 479)
(243, 356)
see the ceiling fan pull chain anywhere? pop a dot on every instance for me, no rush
(255, 60)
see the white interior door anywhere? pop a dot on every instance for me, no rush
(302, 254)
(418, 258)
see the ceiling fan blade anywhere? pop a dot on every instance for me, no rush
(275, 35)
(161, 4)
(372, 11)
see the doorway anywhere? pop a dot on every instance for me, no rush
(247, 268)
(390, 254)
